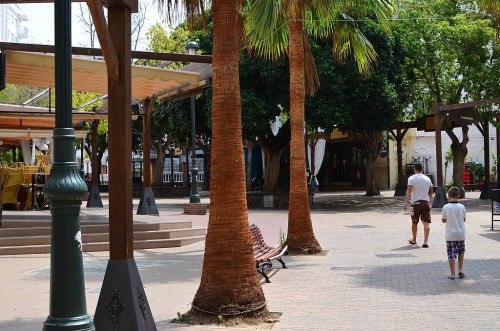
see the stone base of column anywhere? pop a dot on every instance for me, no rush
(94, 200)
(195, 208)
(485, 191)
(122, 302)
(440, 198)
(401, 187)
(147, 204)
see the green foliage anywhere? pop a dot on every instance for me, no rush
(477, 170)
(347, 100)
(264, 95)
(7, 156)
(183, 318)
(282, 237)
(450, 59)
(17, 94)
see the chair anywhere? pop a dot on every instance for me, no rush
(11, 185)
(25, 192)
(43, 160)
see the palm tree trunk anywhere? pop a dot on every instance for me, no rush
(300, 237)
(229, 280)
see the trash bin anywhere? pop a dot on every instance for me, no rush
(495, 206)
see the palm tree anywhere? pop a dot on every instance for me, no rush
(229, 282)
(492, 7)
(277, 27)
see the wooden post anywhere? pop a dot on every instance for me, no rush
(440, 196)
(147, 204)
(486, 187)
(498, 158)
(120, 140)
(122, 286)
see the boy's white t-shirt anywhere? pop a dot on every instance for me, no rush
(454, 213)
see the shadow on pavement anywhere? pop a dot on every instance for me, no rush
(482, 277)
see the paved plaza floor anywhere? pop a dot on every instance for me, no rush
(370, 278)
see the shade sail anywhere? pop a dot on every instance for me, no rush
(91, 76)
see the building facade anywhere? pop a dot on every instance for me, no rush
(12, 27)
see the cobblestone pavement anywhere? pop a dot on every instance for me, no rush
(369, 279)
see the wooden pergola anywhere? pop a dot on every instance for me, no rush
(115, 39)
(456, 115)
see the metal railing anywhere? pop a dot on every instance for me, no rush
(167, 177)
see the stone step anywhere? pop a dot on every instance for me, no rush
(104, 246)
(103, 237)
(44, 230)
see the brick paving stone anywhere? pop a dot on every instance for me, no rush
(371, 278)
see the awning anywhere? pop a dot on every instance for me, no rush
(37, 69)
(18, 122)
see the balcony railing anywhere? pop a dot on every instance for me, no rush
(167, 178)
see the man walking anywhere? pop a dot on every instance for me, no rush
(419, 191)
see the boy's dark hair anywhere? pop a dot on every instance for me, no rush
(454, 192)
(418, 166)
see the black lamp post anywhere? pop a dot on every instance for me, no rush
(191, 48)
(65, 190)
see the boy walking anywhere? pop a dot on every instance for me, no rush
(454, 217)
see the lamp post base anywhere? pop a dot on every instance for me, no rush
(80, 323)
(122, 302)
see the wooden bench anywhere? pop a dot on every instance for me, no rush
(264, 254)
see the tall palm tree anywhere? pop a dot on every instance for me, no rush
(493, 8)
(277, 27)
(229, 282)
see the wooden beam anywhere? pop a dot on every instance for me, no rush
(104, 39)
(174, 57)
(469, 104)
(132, 4)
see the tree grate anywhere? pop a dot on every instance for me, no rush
(359, 226)
(346, 268)
(484, 226)
(393, 256)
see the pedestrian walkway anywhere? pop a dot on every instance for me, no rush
(369, 278)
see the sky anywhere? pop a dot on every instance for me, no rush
(41, 24)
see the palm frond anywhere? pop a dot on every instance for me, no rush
(347, 38)
(267, 28)
(492, 6)
(174, 10)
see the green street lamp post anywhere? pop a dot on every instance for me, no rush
(191, 48)
(65, 190)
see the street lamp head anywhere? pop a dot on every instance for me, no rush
(192, 47)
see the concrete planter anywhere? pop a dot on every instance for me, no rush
(276, 200)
